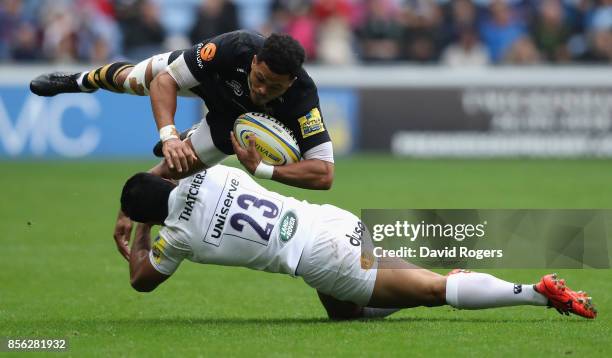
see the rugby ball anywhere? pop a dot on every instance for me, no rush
(274, 141)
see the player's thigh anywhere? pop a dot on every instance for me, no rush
(137, 80)
(204, 145)
(331, 261)
(400, 284)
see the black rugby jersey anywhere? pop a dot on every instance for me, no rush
(221, 65)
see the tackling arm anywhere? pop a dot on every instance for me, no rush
(123, 224)
(143, 276)
(163, 93)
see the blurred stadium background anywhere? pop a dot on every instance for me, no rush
(441, 81)
(332, 31)
(420, 78)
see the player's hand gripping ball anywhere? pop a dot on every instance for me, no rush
(274, 141)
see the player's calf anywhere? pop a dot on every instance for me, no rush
(124, 77)
(106, 77)
(402, 285)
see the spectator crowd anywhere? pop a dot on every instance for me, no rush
(451, 32)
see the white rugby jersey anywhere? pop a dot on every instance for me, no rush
(222, 216)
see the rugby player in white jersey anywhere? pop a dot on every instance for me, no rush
(222, 216)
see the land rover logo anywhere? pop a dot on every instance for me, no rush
(288, 226)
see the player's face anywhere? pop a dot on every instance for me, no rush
(265, 85)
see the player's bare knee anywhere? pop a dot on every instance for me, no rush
(436, 291)
(135, 82)
(123, 75)
(149, 75)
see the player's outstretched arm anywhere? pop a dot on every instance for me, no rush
(163, 93)
(122, 234)
(307, 174)
(161, 169)
(143, 276)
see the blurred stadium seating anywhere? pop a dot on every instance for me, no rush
(458, 32)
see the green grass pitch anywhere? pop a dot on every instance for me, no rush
(60, 274)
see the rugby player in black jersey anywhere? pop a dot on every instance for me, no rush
(234, 73)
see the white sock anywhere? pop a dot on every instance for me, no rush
(371, 312)
(80, 82)
(476, 290)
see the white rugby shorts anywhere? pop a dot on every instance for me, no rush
(332, 263)
(202, 142)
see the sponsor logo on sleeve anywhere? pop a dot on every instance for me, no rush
(205, 53)
(288, 226)
(311, 123)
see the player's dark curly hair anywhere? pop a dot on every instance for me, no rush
(144, 198)
(282, 54)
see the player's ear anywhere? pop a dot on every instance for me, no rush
(255, 61)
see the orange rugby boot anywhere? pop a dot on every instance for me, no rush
(564, 299)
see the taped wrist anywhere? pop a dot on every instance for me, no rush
(168, 132)
(264, 171)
